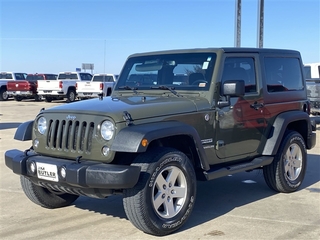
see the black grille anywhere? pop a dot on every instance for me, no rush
(70, 135)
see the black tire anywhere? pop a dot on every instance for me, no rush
(71, 95)
(18, 98)
(45, 198)
(286, 173)
(3, 95)
(38, 98)
(48, 99)
(109, 91)
(161, 211)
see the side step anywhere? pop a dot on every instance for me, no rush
(240, 167)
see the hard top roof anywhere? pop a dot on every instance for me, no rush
(222, 49)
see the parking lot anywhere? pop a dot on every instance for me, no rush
(233, 207)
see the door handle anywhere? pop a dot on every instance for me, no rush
(256, 105)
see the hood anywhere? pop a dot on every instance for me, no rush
(139, 107)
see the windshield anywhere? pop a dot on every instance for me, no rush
(187, 71)
(102, 78)
(68, 76)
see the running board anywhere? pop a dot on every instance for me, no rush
(225, 171)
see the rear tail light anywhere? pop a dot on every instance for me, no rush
(77, 86)
(101, 86)
(60, 84)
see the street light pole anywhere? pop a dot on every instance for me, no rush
(237, 40)
(260, 23)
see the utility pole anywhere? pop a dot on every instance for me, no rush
(237, 31)
(260, 23)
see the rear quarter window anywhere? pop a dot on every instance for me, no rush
(283, 74)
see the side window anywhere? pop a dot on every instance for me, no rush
(283, 74)
(307, 71)
(241, 68)
(19, 76)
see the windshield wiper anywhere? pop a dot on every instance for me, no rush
(171, 89)
(126, 87)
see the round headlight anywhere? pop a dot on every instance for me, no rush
(42, 125)
(107, 130)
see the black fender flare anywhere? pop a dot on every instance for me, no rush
(280, 126)
(129, 139)
(24, 131)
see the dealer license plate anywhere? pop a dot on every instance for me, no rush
(47, 172)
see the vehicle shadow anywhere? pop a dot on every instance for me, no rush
(214, 198)
(9, 125)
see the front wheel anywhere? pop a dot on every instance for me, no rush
(38, 98)
(164, 196)
(286, 172)
(44, 197)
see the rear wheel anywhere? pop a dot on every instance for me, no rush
(286, 172)
(164, 196)
(71, 95)
(48, 99)
(3, 95)
(45, 198)
(18, 98)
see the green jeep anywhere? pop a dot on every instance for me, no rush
(174, 117)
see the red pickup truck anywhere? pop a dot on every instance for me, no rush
(25, 89)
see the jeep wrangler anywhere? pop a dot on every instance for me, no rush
(174, 117)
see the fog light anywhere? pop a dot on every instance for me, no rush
(63, 172)
(105, 151)
(33, 167)
(36, 143)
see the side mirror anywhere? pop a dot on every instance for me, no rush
(231, 88)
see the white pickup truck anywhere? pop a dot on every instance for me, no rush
(63, 87)
(100, 85)
(5, 77)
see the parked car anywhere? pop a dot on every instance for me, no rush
(4, 78)
(241, 109)
(65, 87)
(24, 89)
(100, 85)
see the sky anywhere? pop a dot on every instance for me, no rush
(51, 36)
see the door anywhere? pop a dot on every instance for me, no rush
(240, 126)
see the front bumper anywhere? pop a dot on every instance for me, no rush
(85, 174)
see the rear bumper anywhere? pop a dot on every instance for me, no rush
(51, 92)
(89, 94)
(86, 174)
(21, 93)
